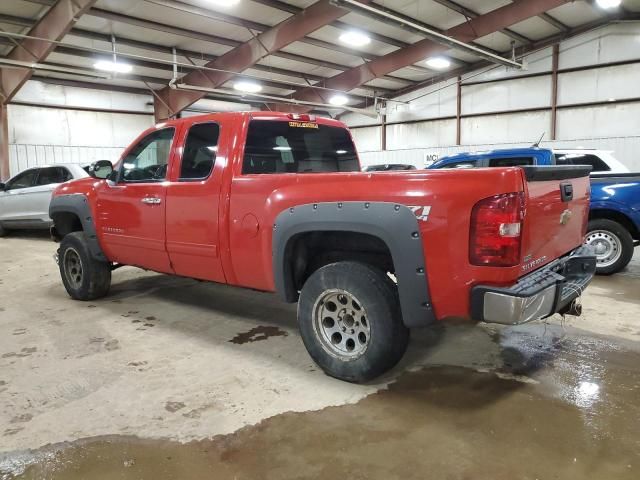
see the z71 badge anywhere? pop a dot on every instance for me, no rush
(421, 212)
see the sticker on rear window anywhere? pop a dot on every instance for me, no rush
(303, 125)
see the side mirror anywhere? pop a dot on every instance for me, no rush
(101, 169)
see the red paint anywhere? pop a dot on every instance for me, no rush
(220, 229)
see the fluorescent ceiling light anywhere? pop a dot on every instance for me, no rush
(341, 152)
(109, 66)
(439, 63)
(355, 38)
(245, 86)
(338, 100)
(608, 3)
(282, 149)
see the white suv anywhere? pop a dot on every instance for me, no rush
(600, 160)
(24, 199)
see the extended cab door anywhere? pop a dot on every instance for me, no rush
(131, 209)
(12, 199)
(193, 201)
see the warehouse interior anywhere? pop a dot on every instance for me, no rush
(170, 376)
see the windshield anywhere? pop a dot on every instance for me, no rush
(298, 147)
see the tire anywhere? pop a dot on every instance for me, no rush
(83, 277)
(613, 243)
(350, 321)
(3, 231)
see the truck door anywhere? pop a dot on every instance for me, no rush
(131, 209)
(193, 200)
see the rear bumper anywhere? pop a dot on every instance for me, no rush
(540, 294)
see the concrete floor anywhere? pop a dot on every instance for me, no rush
(172, 378)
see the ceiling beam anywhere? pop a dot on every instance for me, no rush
(540, 44)
(188, 54)
(169, 102)
(54, 25)
(210, 38)
(467, 31)
(553, 21)
(469, 14)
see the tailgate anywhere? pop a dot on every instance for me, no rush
(557, 209)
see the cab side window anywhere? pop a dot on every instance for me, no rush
(200, 150)
(511, 162)
(461, 165)
(583, 159)
(23, 180)
(50, 175)
(147, 161)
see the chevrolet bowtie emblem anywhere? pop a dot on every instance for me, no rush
(565, 217)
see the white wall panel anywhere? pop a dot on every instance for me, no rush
(352, 118)
(39, 135)
(44, 93)
(597, 122)
(366, 139)
(437, 101)
(519, 127)
(423, 134)
(535, 62)
(513, 94)
(600, 84)
(617, 42)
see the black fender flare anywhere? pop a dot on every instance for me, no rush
(78, 204)
(396, 225)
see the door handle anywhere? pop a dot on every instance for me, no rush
(151, 200)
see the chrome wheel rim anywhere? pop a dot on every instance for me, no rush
(73, 268)
(607, 246)
(341, 324)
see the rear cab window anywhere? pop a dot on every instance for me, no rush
(597, 164)
(275, 146)
(511, 161)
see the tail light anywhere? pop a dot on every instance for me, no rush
(496, 230)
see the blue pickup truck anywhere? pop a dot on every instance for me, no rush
(614, 220)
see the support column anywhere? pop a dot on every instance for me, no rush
(554, 90)
(383, 133)
(459, 112)
(4, 143)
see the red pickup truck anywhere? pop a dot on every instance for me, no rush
(276, 202)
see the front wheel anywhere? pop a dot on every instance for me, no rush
(612, 243)
(350, 321)
(83, 277)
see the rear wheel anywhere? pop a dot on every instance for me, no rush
(83, 277)
(612, 243)
(350, 321)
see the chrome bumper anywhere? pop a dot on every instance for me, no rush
(540, 294)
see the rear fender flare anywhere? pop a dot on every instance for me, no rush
(396, 225)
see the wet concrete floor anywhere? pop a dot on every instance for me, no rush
(173, 379)
(558, 408)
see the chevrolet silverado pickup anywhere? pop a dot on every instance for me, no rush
(276, 202)
(614, 214)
